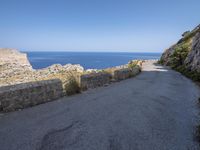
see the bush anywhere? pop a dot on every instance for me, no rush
(132, 64)
(161, 61)
(194, 75)
(72, 87)
(180, 53)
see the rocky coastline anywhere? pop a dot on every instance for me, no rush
(15, 69)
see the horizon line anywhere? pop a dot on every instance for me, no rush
(87, 51)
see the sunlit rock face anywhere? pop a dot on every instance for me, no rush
(12, 63)
(15, 68)
(185, 53)
(193, 59)
(14, 58)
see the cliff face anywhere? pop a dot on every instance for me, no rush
(193, 59)
(184, 56)
(15, 68)
(13, 63)
(14, 58)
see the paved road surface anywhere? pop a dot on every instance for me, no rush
(156, 110)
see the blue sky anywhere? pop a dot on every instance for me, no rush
(95, 25)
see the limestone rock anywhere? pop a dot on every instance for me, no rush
(15, 68)
(92, 71)
(192, 58)
(166, 60)
(13, 57)
(76, 67)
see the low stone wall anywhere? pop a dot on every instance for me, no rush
(93, 80)
(29, 94)
(125, 73)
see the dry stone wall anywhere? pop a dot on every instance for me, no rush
(21, 86)
(94, 80)
(125, 73)
(19, 96)
(29, 94)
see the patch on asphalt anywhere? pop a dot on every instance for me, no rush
(60, 139)
(114, 143)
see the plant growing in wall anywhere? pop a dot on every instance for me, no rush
(72, 87)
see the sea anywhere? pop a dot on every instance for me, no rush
(89, 60)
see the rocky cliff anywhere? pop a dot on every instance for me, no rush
(184, 56)
(12, 61)
(15, 69)
(21, 86)
(14, 58)
(192, 61)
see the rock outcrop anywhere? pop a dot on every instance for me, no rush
(15, 68)
(13, 57)
(193, 59)
(184, 56)
(12, 61)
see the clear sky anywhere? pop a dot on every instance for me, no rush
(95, 25)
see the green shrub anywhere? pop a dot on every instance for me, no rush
(190, 35)
(161, 61)
(180, 53)
(132, 64)
(194, 75)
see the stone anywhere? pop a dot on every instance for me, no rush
(93, 80)
(24, 95)
(15, 68)
(14, 58)
(192, 60)
(21, 86)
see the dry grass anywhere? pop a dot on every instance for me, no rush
(72, 87)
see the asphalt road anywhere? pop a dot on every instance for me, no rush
(157, 110)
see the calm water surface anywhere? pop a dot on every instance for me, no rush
(98, 60)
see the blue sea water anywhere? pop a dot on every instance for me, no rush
(89, 60)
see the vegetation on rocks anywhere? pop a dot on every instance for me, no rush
(194, 75)
(132, 64)
(184, 57)
(72, 87)
(20, 71)
(178, 55)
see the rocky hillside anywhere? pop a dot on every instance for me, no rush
(11, 59)
(184, 56)
(15, 68)
(14, 57)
